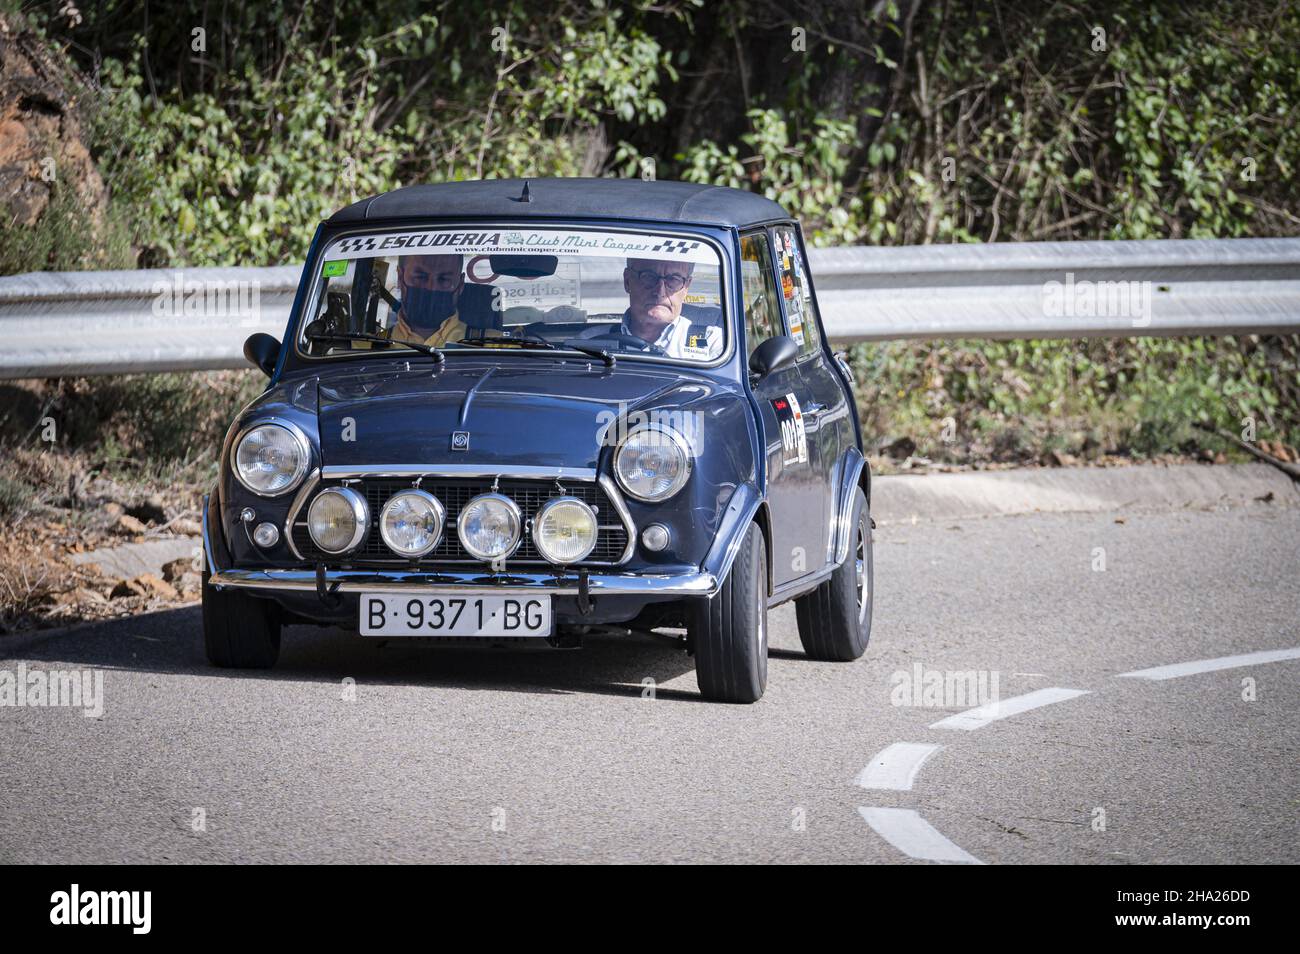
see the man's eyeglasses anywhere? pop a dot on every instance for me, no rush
(650, 279)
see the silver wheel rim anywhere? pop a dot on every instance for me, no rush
(862, 583)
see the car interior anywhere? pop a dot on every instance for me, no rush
(351, 304)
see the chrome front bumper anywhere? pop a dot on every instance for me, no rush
(369, 581)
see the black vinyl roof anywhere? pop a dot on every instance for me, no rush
(663, 201)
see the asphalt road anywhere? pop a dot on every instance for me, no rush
(491, 756)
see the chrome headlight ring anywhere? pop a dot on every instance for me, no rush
(539, 535)
(300, 441)
(360, 516)
(675, 440)
(514, 519)
(434, 506)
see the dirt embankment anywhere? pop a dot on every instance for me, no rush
(43, 154)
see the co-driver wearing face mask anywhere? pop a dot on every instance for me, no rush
(429, 286)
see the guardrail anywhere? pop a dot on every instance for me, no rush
(84, 323)
(1060, 289)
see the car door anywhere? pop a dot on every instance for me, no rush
(793, 487)
(827, 419)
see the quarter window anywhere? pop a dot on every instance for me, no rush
(799, 309)
(758, 288)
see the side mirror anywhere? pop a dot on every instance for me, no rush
(774, 354)
(262, 351)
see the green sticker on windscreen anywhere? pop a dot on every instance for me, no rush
(334, 269)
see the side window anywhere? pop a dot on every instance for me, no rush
(796, 291)
(758, 286)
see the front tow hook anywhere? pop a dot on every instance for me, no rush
(584, 594)
(327, 593)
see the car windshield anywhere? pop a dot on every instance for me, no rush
(628, 293)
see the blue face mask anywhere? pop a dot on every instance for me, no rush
(426, 310)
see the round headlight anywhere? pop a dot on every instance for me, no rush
(338, 519)
(564, 530)
(411, 522)
(271, 459)
(652, 463)
(489, 526)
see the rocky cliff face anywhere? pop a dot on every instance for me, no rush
(42, 152)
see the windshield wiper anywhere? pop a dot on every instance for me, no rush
(539, 343)
(604, 355)
(430, 350)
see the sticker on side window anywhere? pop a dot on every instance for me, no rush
(796, 326)
(794, 439)
(800, 280)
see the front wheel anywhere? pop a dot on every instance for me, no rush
(729, 630)
(835, 619)
(239, 631)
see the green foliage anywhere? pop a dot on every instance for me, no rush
(1201, 126)
(1013, 400)
(242, 173)
(943, 123)
(1185, 125)
(243, 176)
(61, 241)
(803, 176)
(968, 123)
(141, 423)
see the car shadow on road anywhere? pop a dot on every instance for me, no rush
(171, 642)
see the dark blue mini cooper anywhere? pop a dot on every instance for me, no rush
(512, 412)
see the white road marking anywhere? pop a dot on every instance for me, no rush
(914, 836)
(895, 767)
(975, 718)
(1210, 665)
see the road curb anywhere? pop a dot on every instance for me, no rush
(913, 498)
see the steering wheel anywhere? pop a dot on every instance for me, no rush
(631, 341)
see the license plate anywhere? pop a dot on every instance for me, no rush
(454, 614)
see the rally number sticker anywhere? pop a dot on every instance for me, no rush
(794, 438)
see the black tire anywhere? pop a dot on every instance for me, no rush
(239, 631)
(729, 630)
(835, 619)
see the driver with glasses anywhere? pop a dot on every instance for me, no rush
(656, 290)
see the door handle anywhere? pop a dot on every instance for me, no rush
(842, 358)
(813, 410)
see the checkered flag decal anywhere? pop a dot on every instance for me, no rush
(681, 246)
(366, 244)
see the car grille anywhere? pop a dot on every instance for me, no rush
(455, 493)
